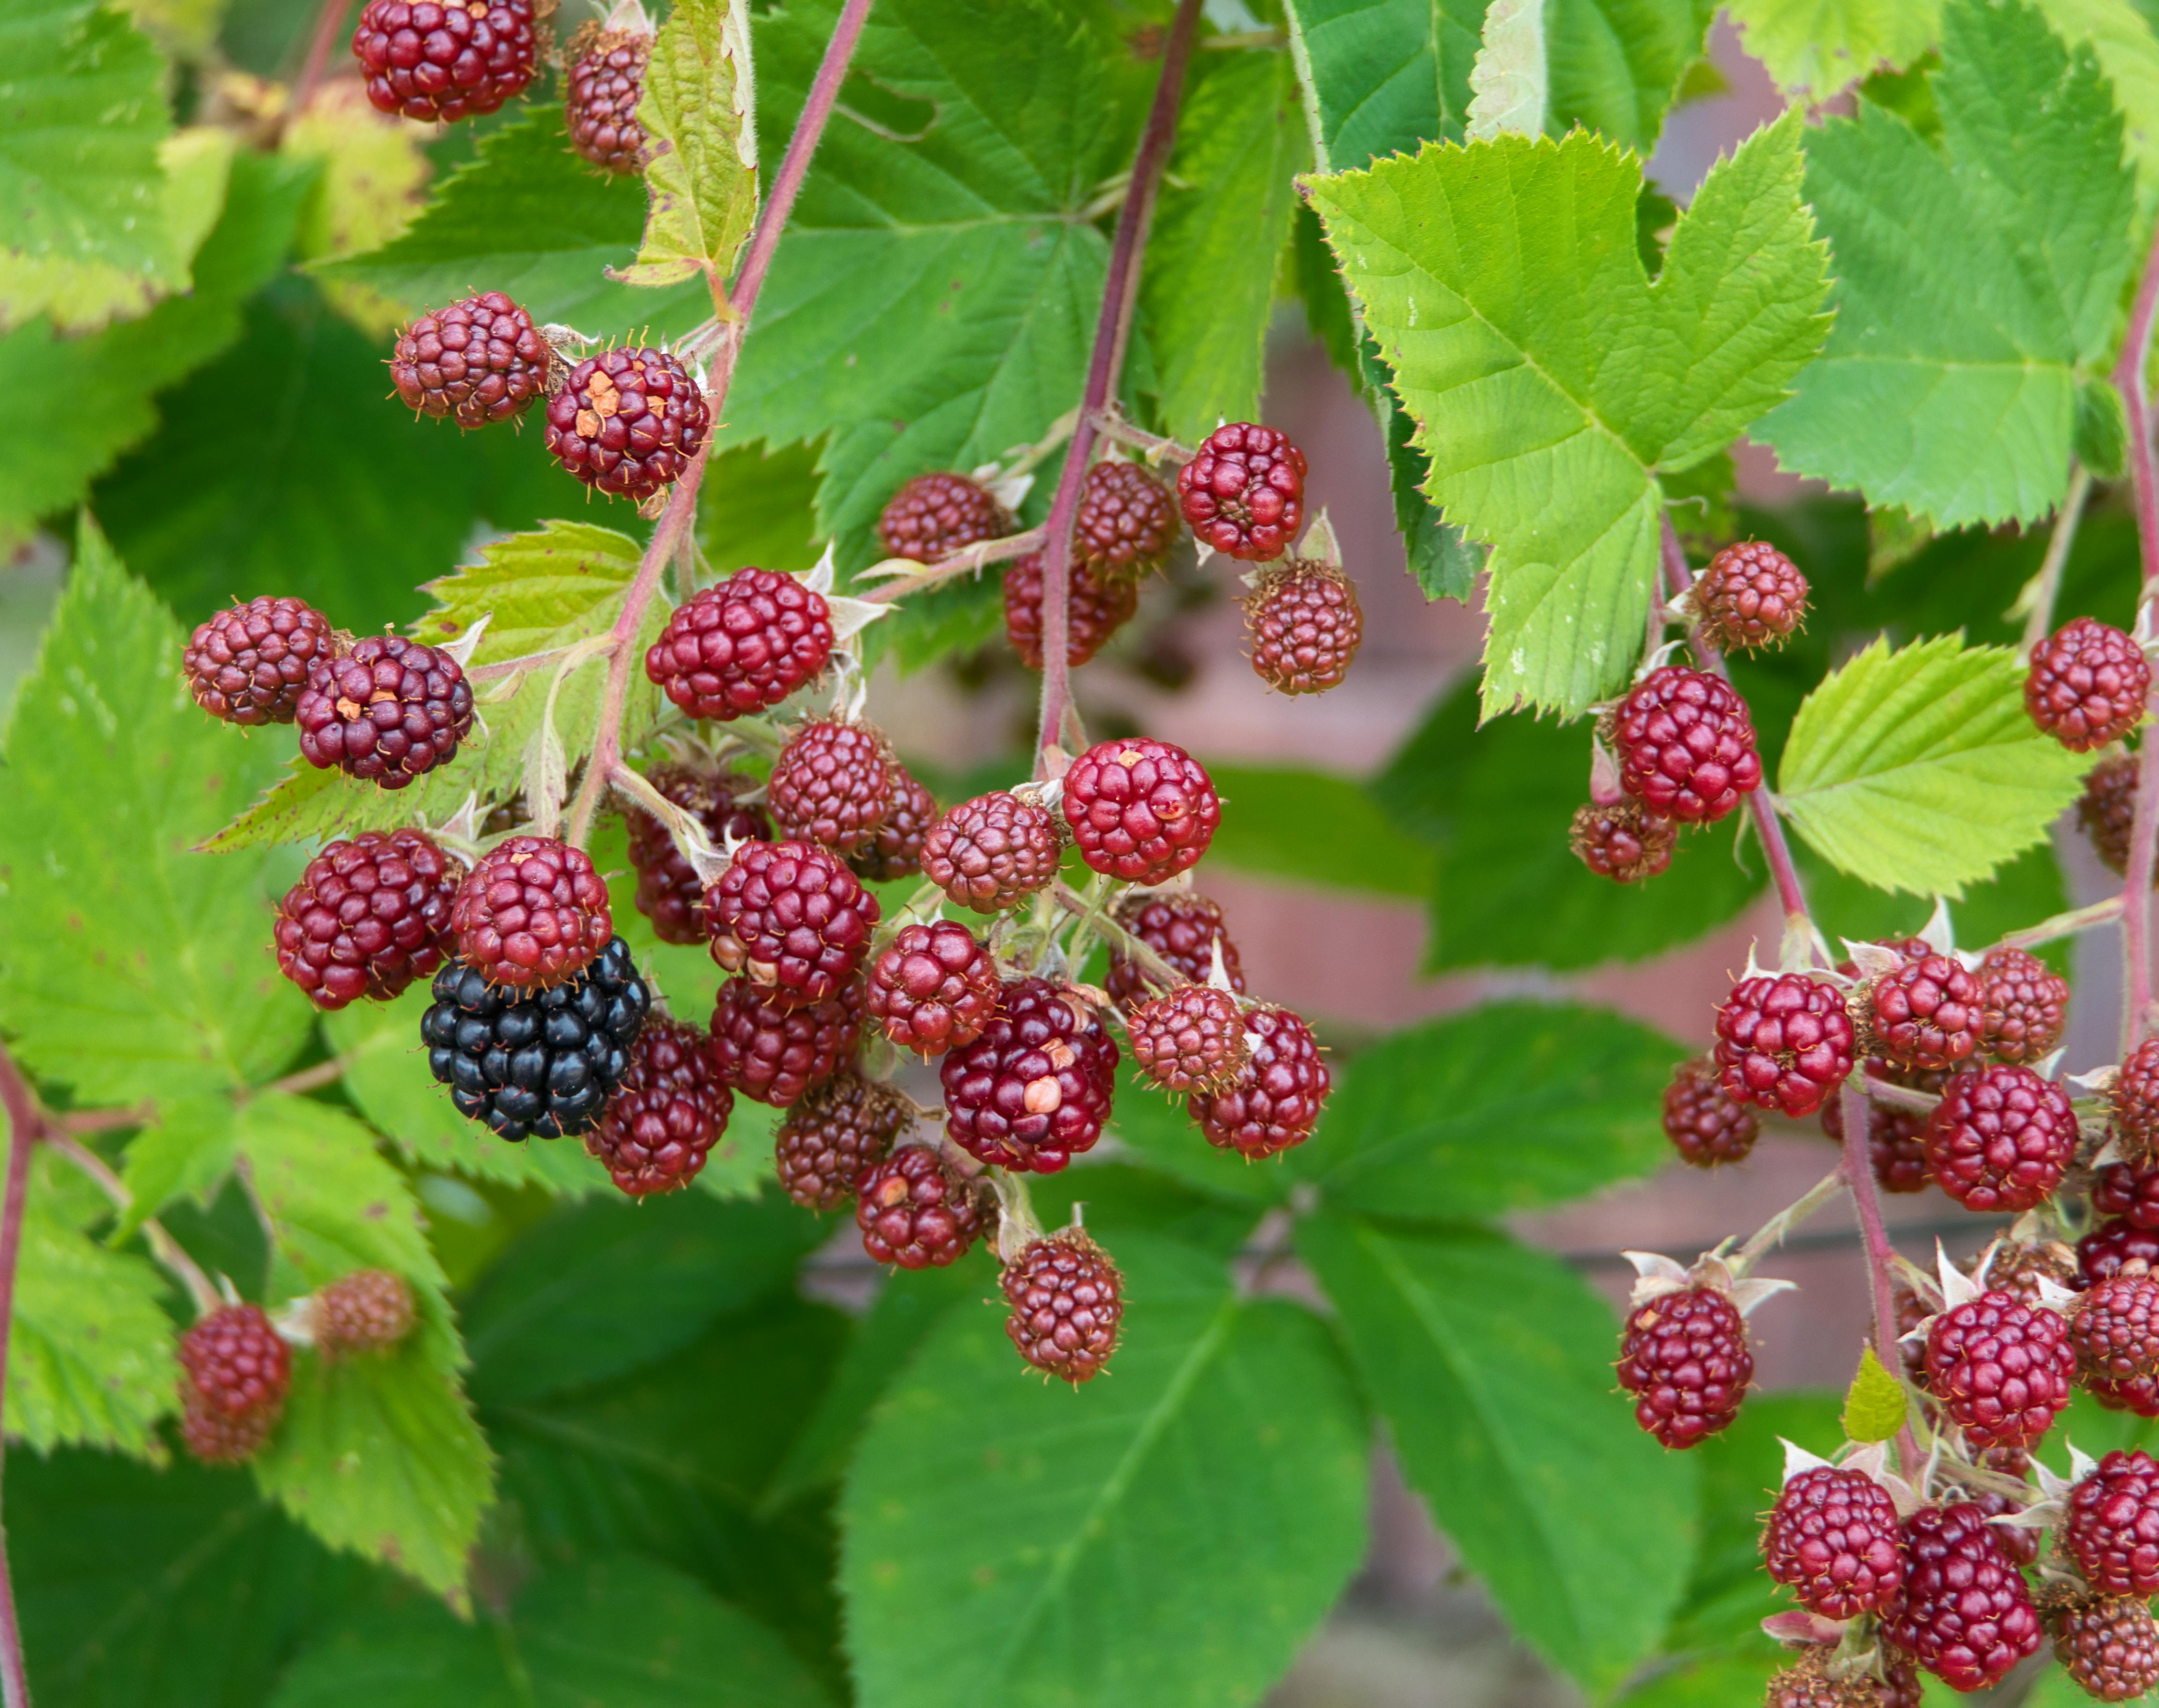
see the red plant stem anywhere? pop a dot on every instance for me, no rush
(2136, 901)
(2144, 480)
(329, 24)
(1112, 327)
(25, 1126)
(1866, 1203)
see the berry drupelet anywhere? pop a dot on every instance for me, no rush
(249, 665)
(914, 1212)
(1274, 1101)
(742, 646)
(666, 1116)
(1126, 520)
(933, 516)
(1623, 840)
(1033, 1089)
(430, 61)
(833, 1136)
(2087, 685)
(1303, 626)
(477, 361)
(1141, 810)
(933, 988)
(1066, 1301)
(1751, 596)
(368, 917)
(791, 917)
(773, 1052)
(1686, 745)
(1243, 493)
(627, 422)
(1684, 1356)
(1707, 1125)
(386, 712)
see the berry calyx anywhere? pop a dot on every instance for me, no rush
(935, 515)
(992, 853)
(1126, 520)
(2136, 1102)
(600, 93)
(1096, 607)
(1033, 1089)
(2107, 809)
(2021, 1006)
(895, 849)
(1275, 1100)
(1141, 810)
(1923, 1013)
(1966, 1616)
(835, 1134)
(2109, 1647)
(933, 988)
(1686, 745)
(1832, 1537)
(914, 1212)
(477, 361)
(1304, 627)
(2001, 1368)
(1183, 930)
(367, 1311)
(831, 784)
(1066, 1301)
(1783, 1043)
(627, 422)
(1243, 493)
(666, 1116)
(387, 712)
(1684, 1356)
(1751, 596)
(1191, 1040)
(793, 917)
(248, 665)
(2000, 1139)
(2111, 1524)
(367, 918)
(531, 913)
(428, 61)
(669, 892)
(773, 1053)
(235, 1370)
(2115, 1326)
(742, 646)
(1707, 1126)
(1623, 840)
(2087, 685)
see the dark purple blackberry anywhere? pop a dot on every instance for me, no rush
(895, 849)
(668, 891)
(835, 1134)
(248, 665)
(387, 712)
(831, 784)
(627, 422)
(1183, 929)
(1034, 1090)
(429, 61)
(600, 93)
(1707, 1125)
(474, 362)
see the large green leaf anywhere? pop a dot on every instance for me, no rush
(1491, 1366)
(1551, 378)
(1919, 770)
(1312, 827)
(1976, 284)
(1168, 1534)
(131, 967)
(1415, 1128)
(700, 143)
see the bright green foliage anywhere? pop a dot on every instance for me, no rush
(1312, 827)
(1174, 1548)
(1919, 770)
(1551, 378)
(698, 113)
(1874, 1408)
(2120, 33)
(1976, 284)
(1492, 1366)
(1814, 48)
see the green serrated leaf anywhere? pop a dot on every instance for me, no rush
(1919, 770)
(1874, 1405)
(2102, 429)
(758, 507)
(1977, 284)
(130, 967)
(187, 1152)
(372, 185)
(2120, 32)
(1815, 48)
(1551, 378)
(698, 113)
(1510, 83)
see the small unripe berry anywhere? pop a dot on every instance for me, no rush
(793, 918)
(1783, 1043)
(2087, 685)
(1923, 1013)
(774, 1052)
(2111, 1524)
(1141, 810)
(1685, 1357)
(1706, 1125)
(386, 712)
(1126, 520)
(428, 60)
(1097, 606)
(1623, 840)
(669, 894)
(1833, 1537)
(992, 853)
(628, 421)
(2020, 1004)
(1191, 1040)
(933, 988)
(235, 1369)
(2001, 1368)
(2107, 809)
(364, 1312)
(1686, 745)
(2109, 1647)
(477, 361)
(935, 515)
(2000, 1139)
(1751, 596)
(836, 1133)
(2115, 1326)
(600, 94)
(1066, 1301)
(1304, 627)
(831, 784)
(1243, 493)
(1966, 1616)
(531, 913)
(743, 645)
(666, 1116)
(368, 917)
(1275, 1100)
(1184, 930)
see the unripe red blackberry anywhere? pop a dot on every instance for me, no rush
(2105, 1250)
(364, 1311)
(1242, 493)
(2107, 809)
(477, 361)
(1183, 929)
(367, 918)
(1141, 810)
(1751, 596)
(1783, 1043)
(600, 93)
(2109, 1647)
(2136, 1103)
(1304, 627)
(2087, 685)
(2001, 1368)
(933, 516)
(1809, 1685)
(1705, 1125)
(627, 422)
(1623, 840)
(1033, 1089)
(2115, 1326)
(1966, 1617)
(933, 988)
(831, 784)
(425, 61)
(1923, 1013)
(1067, 1300)
(912, 1212)
(1901, 1687)
(2138, 1397)
(742, 646)
(2020, 1004)
(2000, 1139)
(775, 1054)
(387, 712)
(2111, 1524)
(1832, 1536)
(2131, 1193)
(833, 1135)
(1686, 745)
(248, 665)
(1191, 1040)
(793, 917)
(1096, 607)
(235, 1370)
(1896, 1138)
(992, 853)
(1275, 1100)
(1127, 519)
(531, 913)
(2020, 1269)
(666, 1116)
(895, 849)
(1684, 1356)
(669, 893)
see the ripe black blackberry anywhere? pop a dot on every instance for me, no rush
(600, 93)
(1033, 1089)
(386, 712)
(895, 849)
(1191, 1040)
(914, 1212)
(1685, 1357)
(933, 516)
(1183, 930)
(364, 1311)
(1966, 1616)
(775, 1053)
(1141, 810)
(235, 1369)
(933, 988)
(2021, 1001)
(669, 893)
(743, 645)
(2109, 1647)
(368, 917)
(1126, 520)
(831, 784)
(1096, 607)
(1242, 493)
(1686, 745)
(2001, 1368)
(1275, 1100)
(666, 1116)
(1303, 627)
(531, 913)
(627, 421)
(541, 1063)
(2107, 809)
(1066, 1301)
(992, 853)
(477, 361)
(1751, 596)
(427, 61)
(248, 665)
(834, 1134)
(2087, 685)
(1706, 1124)
(1623, 840)
(791, 917)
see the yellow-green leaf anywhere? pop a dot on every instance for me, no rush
(698, 111)
(1874, 1405)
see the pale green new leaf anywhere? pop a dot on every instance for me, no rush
(1919, 770)
(698, 111)
(1875, 1404)
(1509, 84)
(1814, 48)
(1976, 284)
(1550, 379)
